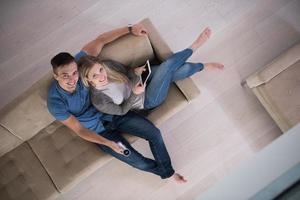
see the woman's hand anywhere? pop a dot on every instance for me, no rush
(114, 146)
(139, 29)
(139, 70)
(139, 88)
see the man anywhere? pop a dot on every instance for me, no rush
(69, 102)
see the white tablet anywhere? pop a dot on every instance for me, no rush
(146, 74)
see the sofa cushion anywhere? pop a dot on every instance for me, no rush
(23, 177)
(8, 141)
(28, 114)
(129, 50)
(282, 94)
(67, 158)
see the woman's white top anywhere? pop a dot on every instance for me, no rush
(119, 92)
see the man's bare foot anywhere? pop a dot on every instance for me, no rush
(202, 38)
(178, 178)
(214, 65)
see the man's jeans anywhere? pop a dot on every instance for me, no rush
(134, 124)
(173, 69)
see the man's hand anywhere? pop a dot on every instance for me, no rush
(138, 29)
(139, 70)
(114, 146)
(89, 135)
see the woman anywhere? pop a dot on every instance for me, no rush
(116, 89)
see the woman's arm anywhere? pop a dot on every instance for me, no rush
(104, 104)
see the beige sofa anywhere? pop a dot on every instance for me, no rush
(277, 86)
(40, 158)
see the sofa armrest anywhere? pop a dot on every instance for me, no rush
(188, 88)
(162, 52)
(274, 68)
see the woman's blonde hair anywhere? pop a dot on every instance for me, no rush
(86, 63)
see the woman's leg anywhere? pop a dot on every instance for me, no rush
(158, 87)
(186, 70)
(135, 159)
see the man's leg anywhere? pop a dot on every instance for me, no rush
(135, 159)
(137, 125)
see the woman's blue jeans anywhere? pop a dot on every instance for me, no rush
(137, 125)
(173, 69)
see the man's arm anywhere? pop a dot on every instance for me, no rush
(88, 135)
(94, 47)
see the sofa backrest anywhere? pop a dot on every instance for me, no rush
(129, 50)
(26, 115)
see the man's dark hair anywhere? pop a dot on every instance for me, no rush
(61, 59)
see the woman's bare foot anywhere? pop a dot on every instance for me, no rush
(214, 65)
(202, 38)
(178, 178)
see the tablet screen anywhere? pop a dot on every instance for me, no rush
(145, 75)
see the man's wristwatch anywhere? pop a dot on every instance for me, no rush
(130, 28)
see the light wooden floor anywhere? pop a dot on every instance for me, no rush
(212, 135)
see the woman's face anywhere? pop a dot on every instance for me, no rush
(97, 76)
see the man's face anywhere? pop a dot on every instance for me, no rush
(67, 76)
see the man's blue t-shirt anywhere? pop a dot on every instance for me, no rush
(63, 104)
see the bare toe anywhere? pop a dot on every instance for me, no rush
(179, 178)
(207, 32)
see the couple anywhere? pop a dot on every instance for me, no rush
(101, 117)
